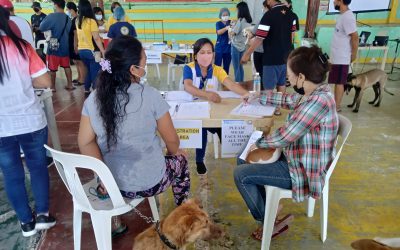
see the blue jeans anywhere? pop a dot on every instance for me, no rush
(14, 175)
(225, 58)
(237, 67)
(92, 66)
(251, 178)
(201, 152)
(274, 75)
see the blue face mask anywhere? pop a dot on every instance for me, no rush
(68, 13)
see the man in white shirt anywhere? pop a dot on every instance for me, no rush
(22, 24)
(344, 48)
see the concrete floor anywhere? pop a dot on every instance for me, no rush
(364, 189)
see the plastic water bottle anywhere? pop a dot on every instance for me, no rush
(175, 46)
(257, 83)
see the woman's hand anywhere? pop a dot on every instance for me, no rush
(182, 153)
(214, 97)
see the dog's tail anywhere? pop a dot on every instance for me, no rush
(387, 91)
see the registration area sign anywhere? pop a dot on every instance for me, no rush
(235, 134)
(189, 132)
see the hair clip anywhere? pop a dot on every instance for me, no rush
(323, 58)
(105, 65)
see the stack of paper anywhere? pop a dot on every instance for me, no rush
(228, 94)
(253, 109)
(180, 96)
(190, 110)
(253, 138)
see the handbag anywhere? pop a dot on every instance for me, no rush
(54, 43)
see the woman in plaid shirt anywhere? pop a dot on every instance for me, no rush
(307, 138)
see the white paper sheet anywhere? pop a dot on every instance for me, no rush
(228, 94)
(177, 96)
(192, 110)
(253, 138)
(253, 109)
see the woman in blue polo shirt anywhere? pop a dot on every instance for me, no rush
(223, 45)
(201, 78)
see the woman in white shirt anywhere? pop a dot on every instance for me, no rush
(23, 126)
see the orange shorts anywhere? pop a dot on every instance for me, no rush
(53, 62)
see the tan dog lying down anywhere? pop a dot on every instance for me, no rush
(377, 244)
(185, 224)
(264, 155)
(375, 78)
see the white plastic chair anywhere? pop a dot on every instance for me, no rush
(100, 211)
(172, 67)
(274, 194)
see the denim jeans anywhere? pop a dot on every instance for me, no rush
(223, 58)
(274, 75)
(251, 178)
(237, 67)
(92, 66)
(201, 152)
(14, 175)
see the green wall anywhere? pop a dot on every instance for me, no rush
(189, 21)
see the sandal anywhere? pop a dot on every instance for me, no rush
(78, 83)
(257, 235)
(119, 231)
(69, 88)
(75, 81)
(282, 223)
(99, 192)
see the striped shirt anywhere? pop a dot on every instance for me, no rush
(308, 138)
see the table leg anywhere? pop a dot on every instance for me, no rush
(51, 123)
(383, 64)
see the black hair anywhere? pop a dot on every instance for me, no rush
(311, 62)
(199, 44)
(72, 6)
(59, 3)
(113, 5)
(265, 3)
(347, 2)
(291, 5)
(18, 42)
(244, 12)
(85, 11)
(112, 94)
(98, 9)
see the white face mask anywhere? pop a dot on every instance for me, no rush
(99, 17)
(225, 18)
(68, 13)
(142, 79)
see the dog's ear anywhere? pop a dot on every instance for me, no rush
(195, 200)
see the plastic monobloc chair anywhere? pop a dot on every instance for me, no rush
(101, 211)
(274, 194)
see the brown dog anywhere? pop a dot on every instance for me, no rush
(375, 78)
(368, 244)
(185, 224)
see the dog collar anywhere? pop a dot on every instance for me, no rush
(164, 238)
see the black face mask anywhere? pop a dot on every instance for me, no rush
(36, 10)
(298, 90)
(337, 7)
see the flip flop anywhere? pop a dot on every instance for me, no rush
(121, 230)
(277, 112)
(257, 235)
(79, 83)
(69, 88)
(280, 232)
(281, 223)
(75, 81)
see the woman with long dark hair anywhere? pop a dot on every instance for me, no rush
(239, 40)
(88, 32)
(23, 125)
(119, 126)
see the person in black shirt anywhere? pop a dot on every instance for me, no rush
(36, 20)
(289, 4)
(275, 32)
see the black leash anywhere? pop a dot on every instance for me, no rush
(164, 238)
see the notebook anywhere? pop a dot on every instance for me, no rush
(189, 110)
(253, 109)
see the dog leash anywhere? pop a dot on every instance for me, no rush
(149, 220)
(164, 238)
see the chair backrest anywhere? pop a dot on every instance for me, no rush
(344, 131)
(180, 59)
(67, 164)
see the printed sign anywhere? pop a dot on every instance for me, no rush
(153, 56)
(235, 134)
(189, 132)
